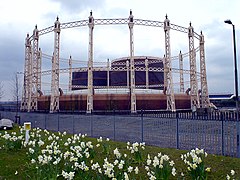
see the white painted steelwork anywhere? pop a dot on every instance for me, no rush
(33, 72)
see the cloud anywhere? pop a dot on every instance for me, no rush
(113, 41)
(11, 56)
(219, 59)
(76, 6)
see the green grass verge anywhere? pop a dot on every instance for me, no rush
(15, 163)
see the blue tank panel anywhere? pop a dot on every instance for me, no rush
(99, 78)
(80, 79)
(156, 78)
(140, 78)
(118, 78)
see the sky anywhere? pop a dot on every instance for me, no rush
(17, 18)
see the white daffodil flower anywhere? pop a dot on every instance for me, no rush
(232, 172)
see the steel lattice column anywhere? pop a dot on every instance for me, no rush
(205, 103)
(54, 104)
(193, 77)
(29, 79)
(127, 66)
(39, 69)
(90, 65)
(27, 71)
(34, 70)
(165, 76)
(70, 74)
(147, 69)
(181, 72)
(168, 84)
(108, 73)
(132, 71)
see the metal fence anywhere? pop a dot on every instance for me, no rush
(217, 133)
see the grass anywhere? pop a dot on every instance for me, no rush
(15, 163)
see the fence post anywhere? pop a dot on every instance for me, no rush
(73, 123)
(114, 126)
(19, 120)
(177, 131)
(222, 127)
(142, 126)
(45, 122)
(238, 134)
(58, 123)
(91, 124)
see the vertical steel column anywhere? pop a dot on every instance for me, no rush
(35, 70)
(181, 72)
(108, 73)
(165, 76)
(168, 85)
(132, 70)
(205, 103)
(54, 104)
(90, 65)
(27, 75)
(193, 77)
(127, 64)
(147, 77)
(30, 75)
(39, 69)
(70, 74)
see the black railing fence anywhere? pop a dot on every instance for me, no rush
(217, 132)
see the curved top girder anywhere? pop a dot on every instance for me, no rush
(113, 22)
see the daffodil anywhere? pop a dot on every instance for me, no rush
(228, 177)
(232, 172)
(208, 169)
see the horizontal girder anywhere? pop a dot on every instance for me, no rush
(150, 69)
(116, 61)
(117, 87)
(115, 22)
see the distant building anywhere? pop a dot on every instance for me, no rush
(222, 100)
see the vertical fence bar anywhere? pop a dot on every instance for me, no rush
(34, 124)
(201, 131)
(211, 130)
(91, 125)
(195, 127)
(45, 121)
(222, 127)
(233, 123)
(142, 126)
(204, 133)
(238, 134)
(227, 134)
(233, 144)
(20, 120)
(73, 124)
(215, 135)
(114, 126)
(58, 123)
(177, 130)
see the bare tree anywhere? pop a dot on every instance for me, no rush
(1, 90)
(16, 90)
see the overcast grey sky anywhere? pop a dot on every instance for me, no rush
(17, 18)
